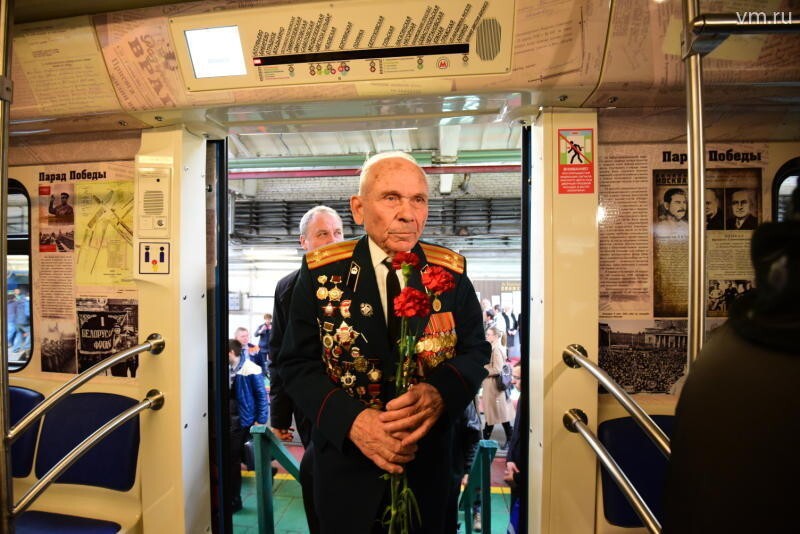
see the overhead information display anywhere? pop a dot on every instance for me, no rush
(343, 41)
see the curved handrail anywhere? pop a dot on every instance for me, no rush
(575, 421)
(154, 344)
(575, 356)
(153, 401)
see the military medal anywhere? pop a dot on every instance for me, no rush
(352, 276)
(327, 341)
(322, 279)
(328, 309)
(366, 309)
(344, 309)
(345, 334)
(437, 304)
(328, 327)
(335, 294)
(322, 293)
(374, 374)
(348, 379)
(360, 364)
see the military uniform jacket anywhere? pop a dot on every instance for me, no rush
(336, 361)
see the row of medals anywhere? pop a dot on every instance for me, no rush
(336, 340)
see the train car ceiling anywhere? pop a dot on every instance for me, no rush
(131, 70)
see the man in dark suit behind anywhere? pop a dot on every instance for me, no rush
(338, 362)
(319, 226)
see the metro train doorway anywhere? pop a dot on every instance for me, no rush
(477, 204)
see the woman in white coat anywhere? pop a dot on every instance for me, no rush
(497, 407)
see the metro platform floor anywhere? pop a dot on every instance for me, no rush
(290, 516)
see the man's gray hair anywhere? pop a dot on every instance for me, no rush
(310, 214)
(377, 158)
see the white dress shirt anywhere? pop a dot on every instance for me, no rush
(377, 255)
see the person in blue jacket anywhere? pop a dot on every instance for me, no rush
(248, 406)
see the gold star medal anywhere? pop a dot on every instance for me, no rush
(335, 293)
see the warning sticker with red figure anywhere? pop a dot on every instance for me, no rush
(575, 161)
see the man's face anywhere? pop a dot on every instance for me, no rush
(712, 204)
(64, 199)
(243, 337)
(676, 207)
(324, 228)
(740, 204)
(393, 206)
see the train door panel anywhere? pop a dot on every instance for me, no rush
(114, 259)
(563, 310)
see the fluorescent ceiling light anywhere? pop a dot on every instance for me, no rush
(216, 52)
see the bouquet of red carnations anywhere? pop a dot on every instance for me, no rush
(403, 512)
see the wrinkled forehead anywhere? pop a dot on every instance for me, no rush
(395, 173)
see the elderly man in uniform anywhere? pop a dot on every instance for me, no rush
(338, 361)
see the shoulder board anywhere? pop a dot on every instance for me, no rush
(443, 257)
(330, 253)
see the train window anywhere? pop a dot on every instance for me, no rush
(18, 264)
(782, 187)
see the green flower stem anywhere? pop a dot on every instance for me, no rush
(402, 512)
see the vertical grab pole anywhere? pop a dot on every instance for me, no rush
(6, 494)
(696, 183)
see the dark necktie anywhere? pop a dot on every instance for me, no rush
(392, 290)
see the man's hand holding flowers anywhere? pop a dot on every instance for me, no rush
(414, 412)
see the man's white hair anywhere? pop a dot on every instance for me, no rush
(377, 158)
(310, 214)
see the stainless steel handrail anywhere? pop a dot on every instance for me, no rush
(575, 356)
(153, 401)
(575, 421)
(154, 344)
(732, 23)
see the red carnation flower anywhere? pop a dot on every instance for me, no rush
(411, 303)
(409, 258)
(437, 280)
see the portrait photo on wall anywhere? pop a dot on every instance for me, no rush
(715, 208)
(56, 203)
(743, 213)
(671, 208)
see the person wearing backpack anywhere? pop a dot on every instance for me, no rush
(497, 406)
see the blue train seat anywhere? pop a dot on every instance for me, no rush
(21, 401)
(641, 461)
(79, 501)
